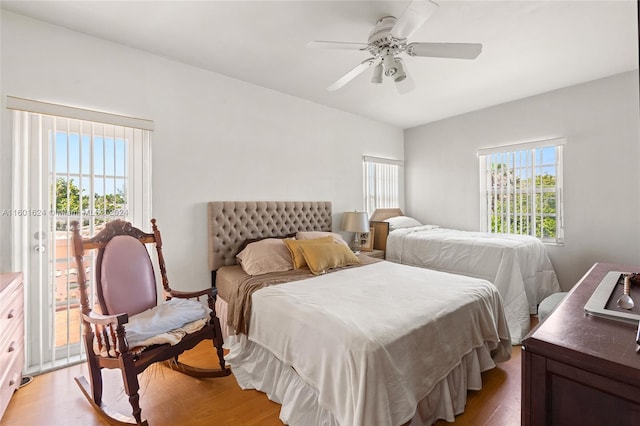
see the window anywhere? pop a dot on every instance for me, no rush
(383, 183)
(521, 189)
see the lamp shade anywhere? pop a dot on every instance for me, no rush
(355, 222)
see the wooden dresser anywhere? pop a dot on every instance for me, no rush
(11, 336)
(579, 369)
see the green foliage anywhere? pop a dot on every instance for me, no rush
(69, 202)
(67, 197)
(515, 207)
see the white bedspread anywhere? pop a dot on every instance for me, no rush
(373, 341)
(518, 265)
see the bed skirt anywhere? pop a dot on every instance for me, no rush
(256, 368)
(221, 312)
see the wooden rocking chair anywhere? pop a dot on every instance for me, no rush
(125, 285)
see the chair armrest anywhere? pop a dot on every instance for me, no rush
(105, 320)
(191, 294)
(109, 333)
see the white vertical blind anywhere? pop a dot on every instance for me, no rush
(68, 169)
(382, 179)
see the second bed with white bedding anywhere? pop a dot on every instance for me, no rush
(517, 265)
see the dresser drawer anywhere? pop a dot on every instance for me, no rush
(12, 345)
(11, 321)
(10, 380)
(11, 304)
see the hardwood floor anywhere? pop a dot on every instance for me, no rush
(498, 403)
(172, 398)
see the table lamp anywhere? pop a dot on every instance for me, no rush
(355, 222)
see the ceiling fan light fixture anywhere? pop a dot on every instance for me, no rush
(390, 67)
(400, 74)
(388, 42)
(377, 74)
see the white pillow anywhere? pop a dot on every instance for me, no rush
(264, 256)
(399, 222)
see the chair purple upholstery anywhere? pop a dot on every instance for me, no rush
(126, 276)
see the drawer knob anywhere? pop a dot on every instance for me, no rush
(13, 380)
(11, 314)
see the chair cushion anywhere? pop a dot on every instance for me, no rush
(127, 278)
(168, 316)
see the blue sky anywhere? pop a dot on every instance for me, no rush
(73, 156)
(545, 161)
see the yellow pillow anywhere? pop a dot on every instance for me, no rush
(294, 249)
(320, 257)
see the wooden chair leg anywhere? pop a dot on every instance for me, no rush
(95, 373)
(131, 385)
(93, 391)
(218, 340)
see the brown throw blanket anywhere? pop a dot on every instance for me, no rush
(239, 305)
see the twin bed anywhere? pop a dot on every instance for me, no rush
(356, 342)
(518, 265)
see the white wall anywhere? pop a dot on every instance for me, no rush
(601, 121)
(216, 138)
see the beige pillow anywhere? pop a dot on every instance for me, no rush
(309, 235)
(264, 256)
(320, 257)
(294, 249)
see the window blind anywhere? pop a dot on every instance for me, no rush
(382, 183)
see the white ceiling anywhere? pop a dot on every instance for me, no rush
(530, 47)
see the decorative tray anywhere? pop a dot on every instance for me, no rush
(603, 301)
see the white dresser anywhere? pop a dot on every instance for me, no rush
(11, 336)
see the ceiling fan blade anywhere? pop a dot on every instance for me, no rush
(359, 69)
(407, 84)
(343, 45)
(445, 50)
(416, 14)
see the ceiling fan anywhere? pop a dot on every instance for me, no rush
(388, 40)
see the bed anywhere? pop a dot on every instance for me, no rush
(518, 265)
(369, 343)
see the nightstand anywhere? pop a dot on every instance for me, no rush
(379, 254)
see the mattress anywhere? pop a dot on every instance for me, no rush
(517, 265)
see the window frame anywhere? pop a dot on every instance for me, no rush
(488, 192)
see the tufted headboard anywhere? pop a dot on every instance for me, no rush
(232, 222)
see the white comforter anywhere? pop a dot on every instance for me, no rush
(518, 265)
(373, 341)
